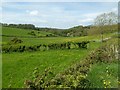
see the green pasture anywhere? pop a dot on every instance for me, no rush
(17, 67)
(21, 32)
(48, 40)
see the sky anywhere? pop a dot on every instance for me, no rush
(60, 0)
(54, 14)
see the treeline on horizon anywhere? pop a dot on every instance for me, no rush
(25, 26)
(70, 32)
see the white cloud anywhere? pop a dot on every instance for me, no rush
(61, 15)
(33, 13)
(89, 17)
(43, 21)
(115, 9)
(86, 20)
(39, 21)
(37, 13)
(92, 15)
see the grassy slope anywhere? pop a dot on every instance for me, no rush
(48, 40)
(20, 32)
(15, 31)
(19, 66)
(105, 29)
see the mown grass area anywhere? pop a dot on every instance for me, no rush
(17, 67)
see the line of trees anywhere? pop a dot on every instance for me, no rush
(23, 26)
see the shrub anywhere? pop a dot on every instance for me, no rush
(32, 33)
(15, 41)
(13, 46)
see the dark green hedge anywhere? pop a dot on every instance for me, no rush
(41, 47)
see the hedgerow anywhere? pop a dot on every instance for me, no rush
(42, 47)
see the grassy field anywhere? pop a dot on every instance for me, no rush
(48, 40)
(18, 67)
(21, 32)
(28, 40)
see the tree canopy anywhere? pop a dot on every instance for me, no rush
(106, 19)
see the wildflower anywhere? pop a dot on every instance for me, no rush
(107, 71)
(104, 82)
(109, 82)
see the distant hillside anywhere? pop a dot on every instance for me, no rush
(71, 32)
(30, 27)
(17, 32)
(77, 31)
(106, 29)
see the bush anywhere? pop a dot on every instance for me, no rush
(14, 46)
(15, 41)
(32, 33)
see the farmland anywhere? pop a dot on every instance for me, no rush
(59, 45)
(19, 66)
(59, 60)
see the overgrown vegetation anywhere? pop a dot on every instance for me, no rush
(77, 76)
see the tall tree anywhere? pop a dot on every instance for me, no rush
(105, 19)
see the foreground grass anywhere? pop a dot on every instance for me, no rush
(17, 67)
(104, 75)
(0, 71)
